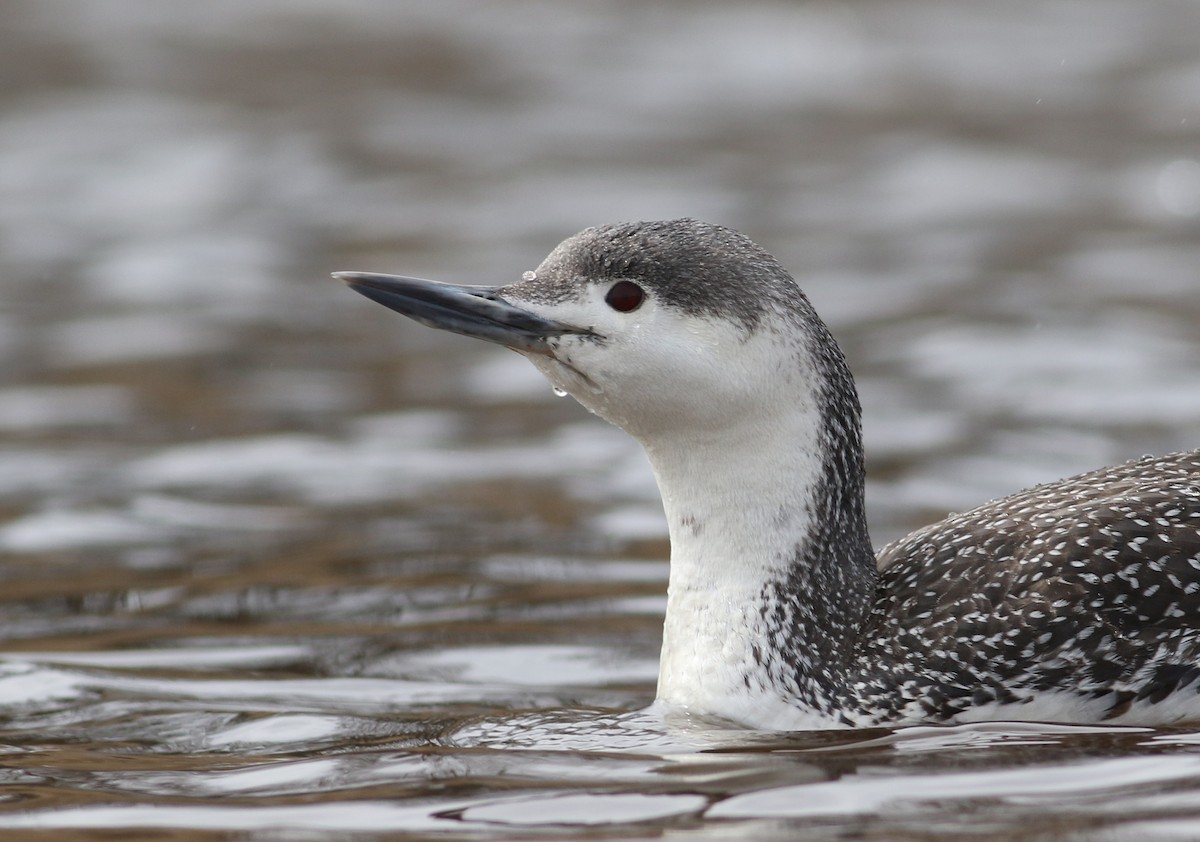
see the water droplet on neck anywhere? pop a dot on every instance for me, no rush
(529, 276)
(561, 392)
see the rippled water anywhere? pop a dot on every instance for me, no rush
(276, 562)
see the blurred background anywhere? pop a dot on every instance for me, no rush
(997, 211)
(203, 439)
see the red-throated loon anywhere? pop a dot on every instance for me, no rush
(1074, 601)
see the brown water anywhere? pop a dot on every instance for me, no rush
(277, 563)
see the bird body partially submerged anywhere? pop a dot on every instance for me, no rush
(1074, 601)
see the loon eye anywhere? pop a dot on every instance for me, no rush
(625, 296)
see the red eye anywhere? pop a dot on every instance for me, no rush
(625, 296)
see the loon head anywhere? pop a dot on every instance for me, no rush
(700, 345)
(658, 327)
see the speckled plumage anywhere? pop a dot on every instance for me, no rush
(1075, 601)
(1089, 585)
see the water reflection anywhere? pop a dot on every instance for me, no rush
(625, 769)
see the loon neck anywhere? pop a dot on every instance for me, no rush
(772, 571)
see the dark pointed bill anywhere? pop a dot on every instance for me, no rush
(472, 311)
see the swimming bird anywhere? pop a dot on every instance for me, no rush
(1075, 601)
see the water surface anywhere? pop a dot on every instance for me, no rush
(276, 562)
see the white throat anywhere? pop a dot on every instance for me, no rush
(737, 506)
